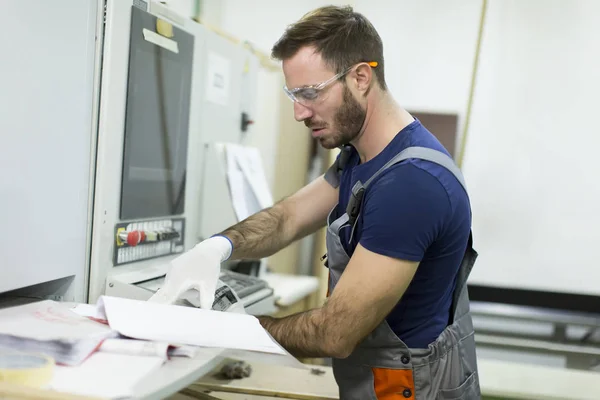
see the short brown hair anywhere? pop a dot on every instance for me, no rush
(342, 37)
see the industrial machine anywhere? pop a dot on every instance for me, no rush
(149, 93)
(166, 97)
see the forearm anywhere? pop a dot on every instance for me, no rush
(307, 334)
(261, 234)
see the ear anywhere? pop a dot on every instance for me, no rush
(363, 77)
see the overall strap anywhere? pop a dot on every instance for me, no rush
(423, 153)
(334, 173)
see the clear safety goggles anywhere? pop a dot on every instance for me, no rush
(311, 95)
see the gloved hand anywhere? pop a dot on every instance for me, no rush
(197, 269)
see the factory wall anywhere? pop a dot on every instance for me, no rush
(530, 156)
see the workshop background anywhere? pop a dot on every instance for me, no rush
(510, 87)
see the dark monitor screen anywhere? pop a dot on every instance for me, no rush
(156, 123)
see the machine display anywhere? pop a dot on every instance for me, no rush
(155, 140)
(157, 120)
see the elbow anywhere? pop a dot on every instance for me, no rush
(339, 335)
(341, 348)
(341, 353)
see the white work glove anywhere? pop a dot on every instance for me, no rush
(195, 273)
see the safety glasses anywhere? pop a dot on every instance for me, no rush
(311, 95)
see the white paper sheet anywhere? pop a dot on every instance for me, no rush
(105, 375)
(248, 187)
(235, 179)
(250, 163)
(187, 325)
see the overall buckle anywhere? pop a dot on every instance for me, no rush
(355, 202)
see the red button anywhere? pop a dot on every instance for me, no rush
(133, 238)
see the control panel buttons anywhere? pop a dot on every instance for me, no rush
(133, 238)
(142, 240)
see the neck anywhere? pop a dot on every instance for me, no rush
(384, 119)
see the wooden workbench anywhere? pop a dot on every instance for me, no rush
(499, 380)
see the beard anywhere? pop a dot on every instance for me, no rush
(348, 121)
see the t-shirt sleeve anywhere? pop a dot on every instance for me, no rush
(403, 213)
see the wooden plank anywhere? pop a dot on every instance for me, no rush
(278, 382)
(194, 394)
(239, 396)
(266, 392)
(197, 394)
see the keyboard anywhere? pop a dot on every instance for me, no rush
(243, 285)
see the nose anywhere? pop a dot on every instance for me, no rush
(301, 112)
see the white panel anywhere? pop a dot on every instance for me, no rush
(429, 46)
(221, 112)
(46, 126)
(531, 160)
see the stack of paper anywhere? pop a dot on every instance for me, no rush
(51, 328)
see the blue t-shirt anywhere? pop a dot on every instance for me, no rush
(418, 211)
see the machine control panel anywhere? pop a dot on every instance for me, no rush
(142, 240)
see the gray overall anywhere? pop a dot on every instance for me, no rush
(382, 366)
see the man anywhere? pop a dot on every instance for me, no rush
(396, 321)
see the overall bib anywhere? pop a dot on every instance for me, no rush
(382, 366)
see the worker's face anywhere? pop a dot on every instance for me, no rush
(332, 112)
